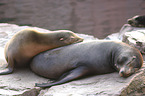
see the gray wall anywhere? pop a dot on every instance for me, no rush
(96, 17)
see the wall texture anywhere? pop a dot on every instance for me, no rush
(95, 17)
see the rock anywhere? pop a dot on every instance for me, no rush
(136, 86)
(136, 38)
(101, 85)
(21, 82)
(119, 35)
(114, 36)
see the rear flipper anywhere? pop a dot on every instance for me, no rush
(9, 68)
(71, 75)
(6, 71)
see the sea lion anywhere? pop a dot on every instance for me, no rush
(137, 21)
(86, 58)
(24, 45)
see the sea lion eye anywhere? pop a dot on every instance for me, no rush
(61, 39)
(131, 60)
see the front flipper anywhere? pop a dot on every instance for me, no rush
(71, 75)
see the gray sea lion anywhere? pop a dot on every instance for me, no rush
(86, 58)
(24, 45)
(137, 21)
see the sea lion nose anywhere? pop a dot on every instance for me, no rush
(130, 21)
(122, 73)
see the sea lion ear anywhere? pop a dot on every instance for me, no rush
(61, 39)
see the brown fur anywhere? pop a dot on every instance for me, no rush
(27, 43)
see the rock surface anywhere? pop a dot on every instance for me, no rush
(131, 35)
(135, 38)
(21, 82)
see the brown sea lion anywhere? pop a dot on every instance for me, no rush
(24, 45)
(86, 58)
(137, 21)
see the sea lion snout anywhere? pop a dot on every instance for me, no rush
(127, 71)
(73, 39)
(132, 21)
(69, 37)
(78, 40)
(129, 21)
(137, 21)
(128, 66)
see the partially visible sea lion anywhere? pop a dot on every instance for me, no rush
(86, 58)
(24, 45)
(137, 21)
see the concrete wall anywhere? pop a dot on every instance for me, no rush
(95, 17)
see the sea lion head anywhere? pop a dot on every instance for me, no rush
(128, 65)
(68, 37)
(137, 21)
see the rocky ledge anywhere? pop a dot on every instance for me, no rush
(21, 82)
